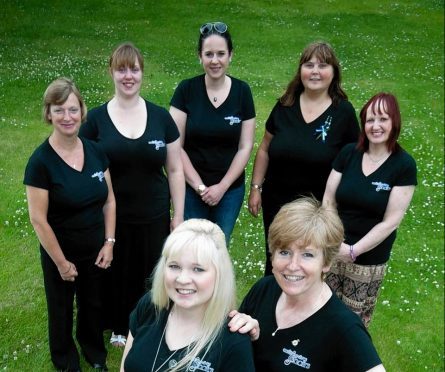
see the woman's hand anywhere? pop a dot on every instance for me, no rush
(254, 202)
(344, 254)
(212, 195)
(68, 271)
(244, 323)
(105, 256)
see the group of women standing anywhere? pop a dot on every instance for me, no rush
(104, 198)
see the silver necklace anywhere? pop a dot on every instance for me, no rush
(215, 99)
(380, 160)
(314, 309)
(157, 352)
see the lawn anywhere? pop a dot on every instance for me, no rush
(382, 45)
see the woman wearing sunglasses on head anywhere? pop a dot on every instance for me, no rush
(306, 129)
(215, 115)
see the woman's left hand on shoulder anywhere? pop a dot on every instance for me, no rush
(244, 323)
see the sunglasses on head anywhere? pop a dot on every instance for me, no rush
(207, 28)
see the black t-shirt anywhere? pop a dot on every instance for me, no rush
(230, 352)
(136, 165)
(299, 160)
(212, 134)
(362, 201)
(75, 198)
(332, 339)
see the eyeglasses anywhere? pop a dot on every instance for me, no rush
(61, 112)
(207, 28)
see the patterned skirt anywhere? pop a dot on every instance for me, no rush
(357, 286)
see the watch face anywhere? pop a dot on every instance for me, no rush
(201, 188)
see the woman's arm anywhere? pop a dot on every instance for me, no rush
(128, 346)
(259, 172)
(331, 188)
(176, 181)
(213, 194)
(105, 255)
(191, 175)
(399, 200)
(38, 210)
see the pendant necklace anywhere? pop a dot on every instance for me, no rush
(215, 99)
(315, 308)
(157, 352)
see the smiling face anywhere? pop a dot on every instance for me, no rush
(66, 118)
(298, 270)
(215, 56)
(378, 124)
(189, 283)
(316, 75)
(127, 80)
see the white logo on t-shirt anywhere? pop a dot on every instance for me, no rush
(233, 119)
(100, 175)
(200, 365)
(297, 359)
(381, 186)
(158, 144)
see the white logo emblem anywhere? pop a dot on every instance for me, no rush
(381, 186)
(233, 119)
(158, 144)
(296, 359)
(200, 365)
(100, 176)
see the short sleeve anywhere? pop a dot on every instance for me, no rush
(270, 122)
(357, 352)
(89, 128)
(248, 105)
(238, 355)
(171, 130)
(407, 171)
(36, 173)
(342, 158)
(144, 312)
(179, 96)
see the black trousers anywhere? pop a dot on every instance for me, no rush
(60, 295)
(135, 254)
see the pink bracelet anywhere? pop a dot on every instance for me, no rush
(351, 253)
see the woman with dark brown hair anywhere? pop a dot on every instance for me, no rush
(306, 129)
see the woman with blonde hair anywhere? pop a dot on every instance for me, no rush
(303, 325)
(181, 324)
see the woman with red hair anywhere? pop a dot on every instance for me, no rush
(371, 185)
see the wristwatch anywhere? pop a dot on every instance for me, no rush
(201, 188)
(110, 240)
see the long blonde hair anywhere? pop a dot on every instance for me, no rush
(207, 242)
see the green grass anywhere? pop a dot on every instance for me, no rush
(383, 45)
